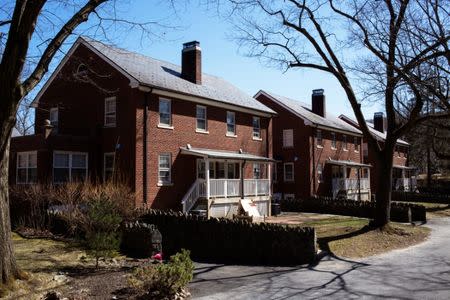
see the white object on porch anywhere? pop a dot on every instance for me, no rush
(250, 208)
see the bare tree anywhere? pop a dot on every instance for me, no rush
(32, 33)
(396, 49)
(24, 117)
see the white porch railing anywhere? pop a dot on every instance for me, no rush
(231, 187)
(349, 184)
(197, 190)
(404, 184)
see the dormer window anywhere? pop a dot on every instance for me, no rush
(110, 112)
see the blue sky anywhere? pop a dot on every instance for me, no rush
(221, 56)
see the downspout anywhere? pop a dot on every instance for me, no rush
(313, 149)
(144, 148)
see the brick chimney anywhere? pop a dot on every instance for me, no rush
(318, 103)
(378, 121)
(191, 62)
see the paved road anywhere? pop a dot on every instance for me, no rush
(418, 272)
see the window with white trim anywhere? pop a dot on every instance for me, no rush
(231, 123)
(202, 124)
(110, 111)
(333, 140)
(26, 172)
(165, 168)
(256, 127)
(288, 138)
(69, 166)
(256, 171)
(356, 143)
(319, 137)
(165, 112)
(108, 165)
(320, 172)
(288, 171)
(344, 142)
(54, 117)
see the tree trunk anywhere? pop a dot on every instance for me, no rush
(384, 163)
(8, 267)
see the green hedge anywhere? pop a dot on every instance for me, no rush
(235, 241)
(421, 197)
(400, 212)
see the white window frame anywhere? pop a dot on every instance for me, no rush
(344, 143)
(333, 141)
(54, 111)
(70, 153)
(284, 172)
(113, 154)
(286, 136)
(318, 138)
(231, 133)
(169, 182)
(202, 130)
(165, 125)
(356, 144)
(256, 169)
(256, 130)
(27, 167)
(112, 113)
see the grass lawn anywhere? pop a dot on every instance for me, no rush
(349, 236)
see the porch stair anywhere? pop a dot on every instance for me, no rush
(200, 207)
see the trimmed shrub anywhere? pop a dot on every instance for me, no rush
(140, 239)
(164, 281)
(443, 198)
(236, 241)
(400, 212)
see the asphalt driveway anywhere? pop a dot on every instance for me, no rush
(418, 272)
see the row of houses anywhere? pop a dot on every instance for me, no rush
(187, 140)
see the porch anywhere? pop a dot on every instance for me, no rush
(350, 179)
(404, 179)
(223, 178)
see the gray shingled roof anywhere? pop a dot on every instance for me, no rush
(165, 75)
(304, 111)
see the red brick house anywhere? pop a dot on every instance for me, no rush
(175, 134)
(317, 153)
(403, 176)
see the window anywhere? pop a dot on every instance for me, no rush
(333, 140)
(288, 172)
(256, 128)
(232, 171)
(54, 117)
(344, 142)
(288, 138)
(164, 169)
(319, 138)
(365, 173)
(256, 171)
(69, 166)
(231, 123)
(220, 170)
(320, 172)
(356, 143)
(108, 165)
(201, 118)
(165, 112)
(110, 111)
(26, 167)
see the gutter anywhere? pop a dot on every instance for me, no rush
(144, 145)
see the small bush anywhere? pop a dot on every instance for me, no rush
(164, 281)
(102, 223)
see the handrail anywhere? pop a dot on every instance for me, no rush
(191, 196)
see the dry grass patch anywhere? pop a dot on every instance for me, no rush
(436, 210)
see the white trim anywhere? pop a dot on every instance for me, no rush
(164, 125)
(104, 162)
(307, 121)
(258, 137)
(284, 172)
(210, 102)
(110, 113)
(70, 153)
(27, 153)
(201, 130)
(133, 81)
(159, 182)
(234, 132)
(284, 145)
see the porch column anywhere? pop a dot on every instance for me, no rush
(241, 174)
(269, 177)
(207, 178)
